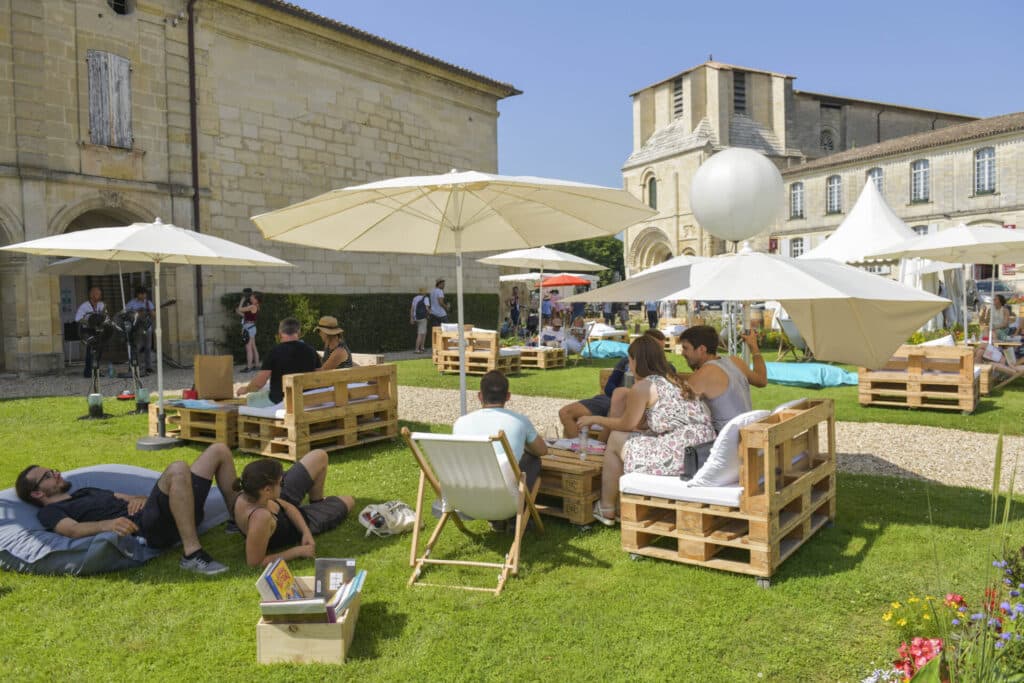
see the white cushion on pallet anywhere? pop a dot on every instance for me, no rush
(673, 488)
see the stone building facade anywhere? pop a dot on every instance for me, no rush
(96, 129)
(970, 173)
(681, 121)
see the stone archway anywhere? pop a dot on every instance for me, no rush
(650, 247)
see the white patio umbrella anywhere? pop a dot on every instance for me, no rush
(845, 314)
(966, 245)
(157, 243)
(453, 213)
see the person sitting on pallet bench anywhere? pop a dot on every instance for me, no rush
(493, 417)
(270, 513)
(609, 403)
(290, 357)
(171, 513)
(723, 382)
(336, 351)
(662, 417)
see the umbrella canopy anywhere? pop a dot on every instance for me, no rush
(452, 213)
(565, 281)
(963, 244)
(870, 222)
(155, 243)
(844, 313)
(88, 266)
(543, 258)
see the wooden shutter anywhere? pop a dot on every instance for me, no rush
(110, 99)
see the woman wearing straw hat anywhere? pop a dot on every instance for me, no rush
(336, 353)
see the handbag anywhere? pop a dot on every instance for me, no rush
(694, 458)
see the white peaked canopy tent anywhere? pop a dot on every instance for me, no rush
(869, 224)
(454, 213)
(157, 243)
(542, 258)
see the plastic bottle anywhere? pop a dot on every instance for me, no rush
(584, 437)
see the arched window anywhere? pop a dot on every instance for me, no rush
(652, 193)
(875, 174)
(827, 140)
(920, 181)
(834, 194)
(985, 170)
(796, 200)
(796, 247)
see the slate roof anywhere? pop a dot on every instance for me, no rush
(746, 132)
(672, 139)
(505, 89)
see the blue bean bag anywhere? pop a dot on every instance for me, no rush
(25, 546)
(605, 348)
(814, 375)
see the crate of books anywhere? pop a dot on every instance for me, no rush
(308, 619)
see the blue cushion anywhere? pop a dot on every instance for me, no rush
(605, 348)
(25, 546)
(815, 375)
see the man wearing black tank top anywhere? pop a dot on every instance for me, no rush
(724, 383)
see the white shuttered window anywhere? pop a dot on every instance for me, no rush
(110, 99)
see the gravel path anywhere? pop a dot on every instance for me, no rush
(947, 456)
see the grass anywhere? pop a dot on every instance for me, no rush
(1001, 411)
(580, 609)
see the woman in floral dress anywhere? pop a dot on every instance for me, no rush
(662, 417)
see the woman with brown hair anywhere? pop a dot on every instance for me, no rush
(667, 411)
(270, 513)
(336, 353)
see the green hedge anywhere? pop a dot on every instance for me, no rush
(373, 323)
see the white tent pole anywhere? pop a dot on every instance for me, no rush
(963, 293)
(992, 306)
(462, 330)
(159, 352)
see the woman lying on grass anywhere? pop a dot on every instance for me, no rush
(270, 514)
(661, 404)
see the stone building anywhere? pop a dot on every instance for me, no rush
(970, 173)
(681, 121)
(99, 126)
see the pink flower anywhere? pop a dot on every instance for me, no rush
(954, 600)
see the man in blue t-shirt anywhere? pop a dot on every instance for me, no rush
(527, 445)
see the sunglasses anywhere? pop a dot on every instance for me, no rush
(48, 474)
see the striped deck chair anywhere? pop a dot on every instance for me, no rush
(469, 477)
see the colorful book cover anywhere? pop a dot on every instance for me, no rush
(282, 581)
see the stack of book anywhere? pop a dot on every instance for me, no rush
(335, 585)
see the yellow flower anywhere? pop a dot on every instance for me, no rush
(912, 600)
(901, 622)
(887, 616)
(926, 616)
(895, 605)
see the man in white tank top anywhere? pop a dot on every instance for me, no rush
(723, 382)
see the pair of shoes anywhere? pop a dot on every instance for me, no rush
(608, 518)
(200, 562)
(232, 528)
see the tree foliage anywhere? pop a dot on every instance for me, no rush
(604, 250)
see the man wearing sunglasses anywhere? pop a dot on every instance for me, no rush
(171, 512)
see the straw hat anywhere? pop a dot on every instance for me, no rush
(328, 324)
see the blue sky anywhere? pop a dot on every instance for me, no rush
(576, 62)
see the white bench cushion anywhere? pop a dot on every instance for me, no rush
(674, 489)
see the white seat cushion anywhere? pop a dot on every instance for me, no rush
(722, 467)
(673, 488)
(509, 352)
(277, 411)
(941, 341)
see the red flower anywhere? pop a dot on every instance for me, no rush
(954, 600)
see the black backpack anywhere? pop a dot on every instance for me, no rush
(421, 308)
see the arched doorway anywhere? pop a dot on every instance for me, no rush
(649, 248)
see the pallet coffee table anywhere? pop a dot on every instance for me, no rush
(541, 357)
(214, 424)
(569, 486)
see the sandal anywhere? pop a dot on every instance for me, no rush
(600, 516)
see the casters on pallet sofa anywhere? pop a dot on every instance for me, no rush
(764, 583)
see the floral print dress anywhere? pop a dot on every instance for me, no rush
(674, 422)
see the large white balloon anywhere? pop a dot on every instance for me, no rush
(736, 194)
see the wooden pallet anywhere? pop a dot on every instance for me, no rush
(207, 425)
(350, 422)
(569, 486)
(786, 499)
(938, 377)
(483, 352)
(541, 358)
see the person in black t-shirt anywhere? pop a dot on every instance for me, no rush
(289, 357)
(170, 513)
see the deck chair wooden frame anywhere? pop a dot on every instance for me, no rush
(791, 342)
(576, 358)
(524, 503)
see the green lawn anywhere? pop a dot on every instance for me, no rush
(1003, 410)
(580, 609)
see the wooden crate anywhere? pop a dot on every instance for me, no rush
(541, 358)
(569, 486)
(350, 421)
(785, 500)
(207, 425)
(483, 352)
(939, 377)
(307, 643)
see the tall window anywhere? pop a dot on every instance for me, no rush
(652, 193)
(985, 170)
(827, 140)
(796, 246)
(677, 98)
(920, 229)
(796, 200)
(920, 181)
(110, 99)
(875, 174)
(122, 6)
(833, 194)
(739, 92)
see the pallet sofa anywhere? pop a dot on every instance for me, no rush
(785, 494)
(328, 409)
(939, 377)
(483, 351)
